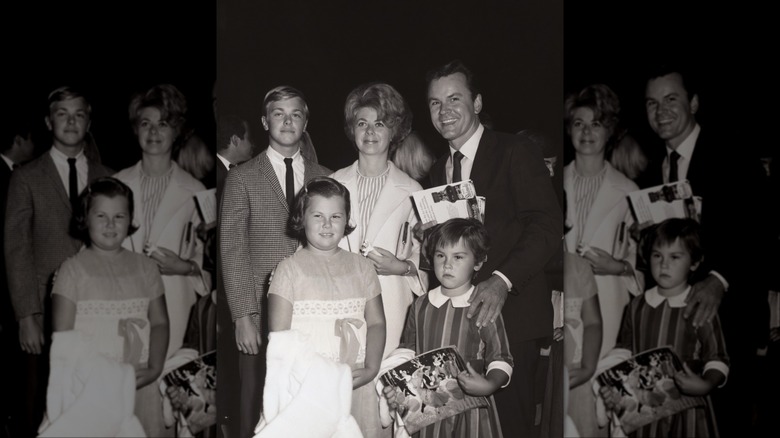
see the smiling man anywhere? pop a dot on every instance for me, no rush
(523, 219)
(41, 195)
(253, 239)
(721, 170)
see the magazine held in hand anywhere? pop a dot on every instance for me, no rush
(427, 390)
(441, 203)
(197, 381)
(645, 384)
(656, 204)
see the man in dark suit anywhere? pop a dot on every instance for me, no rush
(253, 235)
(733, 258)
(17, 148)
(234, 146)
(525, 224)
(41, 195)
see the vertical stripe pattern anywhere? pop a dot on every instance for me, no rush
(644, 328)
(585, 191)
(427, 328)
(368, 193)
(152, 192)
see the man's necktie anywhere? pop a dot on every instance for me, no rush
(231, 165)
(289, 180)
(456, 174)
(15, 166)
(673, 157)
(73, 183)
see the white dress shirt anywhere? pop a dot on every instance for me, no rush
(225, 161)
(61, 163)
(8, 161)
(469, 151)
(685, 149)
(277, 161)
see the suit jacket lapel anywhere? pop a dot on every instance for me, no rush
(482, 171)
(50, 172)
(351, 184)
(393, 193)
(267, 171)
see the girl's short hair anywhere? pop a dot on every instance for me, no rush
(665, 233)
(472, 231)
(390, 107)
(109, 187)
(321, 186)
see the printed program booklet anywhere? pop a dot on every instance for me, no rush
(441, 203)
(198, 380)
(645, 383)
(427, 390)
(656, 204)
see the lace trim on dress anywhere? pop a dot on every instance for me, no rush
(113, 308)
(329, 307)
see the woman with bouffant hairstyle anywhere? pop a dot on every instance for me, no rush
(376, 119)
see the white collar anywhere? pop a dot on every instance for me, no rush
(685, 149)
(224, 161)
(274, 155)
(8, 161)
(58, 155)
(438, 299)
(469, 148)
(655, 299)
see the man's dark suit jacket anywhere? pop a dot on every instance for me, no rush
(524, 222)
(733, 225)
(726, 179)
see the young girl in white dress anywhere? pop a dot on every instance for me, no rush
(332, 295)
(112, 296)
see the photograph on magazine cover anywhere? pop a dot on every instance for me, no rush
(387, 100)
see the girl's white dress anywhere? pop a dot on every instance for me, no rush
(328, 295)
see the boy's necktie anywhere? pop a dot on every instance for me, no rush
(289, 180)
(73, 183)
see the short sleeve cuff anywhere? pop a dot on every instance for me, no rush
(720, 366)
(503, 366)
(722, 280)
(503, 277)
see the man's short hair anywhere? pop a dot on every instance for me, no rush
(228, 126)
(689, 81)
(450, 68)
(284, 92)
(67, 93)
(16, 122)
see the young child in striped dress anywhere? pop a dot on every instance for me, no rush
(458, 248)
(655, 319)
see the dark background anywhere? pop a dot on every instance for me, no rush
(110, 51)
(328, 48)
(731, 49)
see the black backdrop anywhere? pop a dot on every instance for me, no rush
(325, 49)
